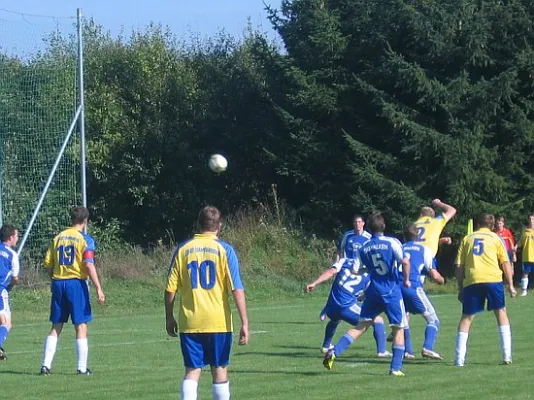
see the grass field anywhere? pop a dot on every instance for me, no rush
(132, 358)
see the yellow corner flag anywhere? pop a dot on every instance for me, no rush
(470, 226)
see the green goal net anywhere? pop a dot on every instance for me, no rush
(38, 99)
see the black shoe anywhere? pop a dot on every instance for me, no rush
(44, 371)
(87, 372)
(3, 355)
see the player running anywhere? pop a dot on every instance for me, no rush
(342, 305)
(415, 299)
(381, 255)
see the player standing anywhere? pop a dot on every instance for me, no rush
(415, 299)
(507, 237)
(9, 276)
(205, 270)
(526, 244)
(353, 239)
(70, 261)
(481, 262)
(342, 304)
(381, 255)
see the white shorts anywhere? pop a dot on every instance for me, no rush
(4, 303)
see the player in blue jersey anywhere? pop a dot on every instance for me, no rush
(9, 276)
(342, 305)
(70, 262)
(382, 256)
(415, 299)
(353, 239)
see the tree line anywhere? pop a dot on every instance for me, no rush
(364, 105)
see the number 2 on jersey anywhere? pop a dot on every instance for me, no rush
(420, 233)
(205, 273)
(66, 255)
(350, 280)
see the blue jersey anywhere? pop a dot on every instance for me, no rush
(382, 256)
(420, 261)
(351, 242)
(349, 283)
(9, 265)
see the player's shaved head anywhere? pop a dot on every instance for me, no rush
(410, 232)
(486, 220)
(209, 219)
(427, 212)
(376, 223)
(78, 215)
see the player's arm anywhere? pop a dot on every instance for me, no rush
(459, 270)
(241, 305)
(89, 261)
(15, 271)
(49, 260)
(326, 275)
(432, 272)
(445, 240)
(406, 271)
(506, 267)
(170, 322)
(448, 210)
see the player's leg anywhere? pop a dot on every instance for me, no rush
(331, 327)
(5, 321)
(59, 314)
(379, 333)
(408, 348)
(219, 358)
(527, 269)
(81, 314)
(396, 314)
(496, 303)
(192, 346)
(371, 308)
(474, 298)
(409, 297)
(426, 309)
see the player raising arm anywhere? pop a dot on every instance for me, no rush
(70, 261)
(430, 225)
(381, 255)
(205, 270)
(480, 265)
(9, 277)
(342, 305)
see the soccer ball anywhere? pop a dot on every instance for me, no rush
(218, 163)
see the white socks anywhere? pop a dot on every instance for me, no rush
(82, 350)
(220, 391)
(461, 348)
(524, 283)
(189, 389)
(505, 334)
(49, 351)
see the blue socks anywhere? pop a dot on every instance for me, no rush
(345, 341)
(379, 333)
(4, 332)
(398, 356)
(431, 333)
(408, 341)
(329, 333)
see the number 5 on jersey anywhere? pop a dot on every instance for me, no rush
(379, 264)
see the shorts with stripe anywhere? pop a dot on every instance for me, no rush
(416, 301)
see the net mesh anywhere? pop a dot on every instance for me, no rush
(38, 99)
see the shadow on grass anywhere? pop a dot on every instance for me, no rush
(11, 372)
(268, 371)
(292, 322)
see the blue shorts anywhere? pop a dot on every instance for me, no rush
(70, 297)
(528, 267)
(350, 315)
(391, 303)
(201, 349)
(416, 301)
(475, 296)
(4, 303)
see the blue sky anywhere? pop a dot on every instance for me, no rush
(182, 16)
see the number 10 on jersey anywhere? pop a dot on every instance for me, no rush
(205, 274)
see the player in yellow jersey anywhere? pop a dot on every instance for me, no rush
(526, 244)
(70, 261)
(481, 262)
(430, 225)
(205, 271)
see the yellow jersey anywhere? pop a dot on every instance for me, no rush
(429, 230)
(481, 254)
(527, 245)
(68, 253)
(205, 270)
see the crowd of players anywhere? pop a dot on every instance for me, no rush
(376, 274)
